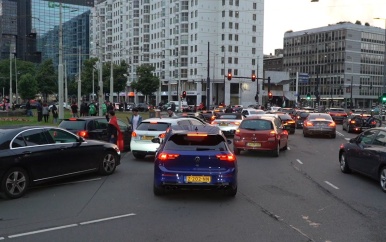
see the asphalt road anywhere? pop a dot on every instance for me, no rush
(299, 196)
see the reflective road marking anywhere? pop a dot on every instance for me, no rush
(299, 161)
(67, 226)
(330, 184)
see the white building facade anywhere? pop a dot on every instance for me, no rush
(181, 39)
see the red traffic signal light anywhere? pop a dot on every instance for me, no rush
(184, 94)
(229, 76)
(253, 77)
(270, 96)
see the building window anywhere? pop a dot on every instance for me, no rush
(230, 13)
(253, 39)
(236, 49)
(230, 37)
(236, 37)
(236, 25)
(236, 60)
(230, 25)
(253, 28)
(223, 25)
(235, 72)
(237, 14)
(223, 37)
(231, 2)
(254, 5)
(230, 48)
(237, 3)
(254, 16)
(229, 60)
(223, 2)
(223, 14)
(253, 51)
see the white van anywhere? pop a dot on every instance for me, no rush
(169, 104)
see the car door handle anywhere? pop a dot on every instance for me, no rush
(27, 153)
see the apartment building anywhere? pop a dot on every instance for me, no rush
(344, 61)
(188, 42)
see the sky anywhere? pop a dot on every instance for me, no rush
(298, 15)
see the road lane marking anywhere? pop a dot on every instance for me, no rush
(340, 133)
(1, 238)
(105, 219)
(299, 161)
(288, 148)
(42, 231)
(347, 139)
(332, 185)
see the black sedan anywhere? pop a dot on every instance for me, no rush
(33, 155)
(353, 123)
(366, 154)
(287, 122)
(95, 127)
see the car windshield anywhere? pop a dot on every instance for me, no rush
(197, 143)
(256, 124)
(153, 126)
(73, 124)
(285, 117)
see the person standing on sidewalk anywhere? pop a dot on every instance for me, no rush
(45, 112)
(74, 110)
(39, 109)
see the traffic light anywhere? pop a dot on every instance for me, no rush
(253, 77)
(270, 96)
(308, 96)
(184, 94)
(384, 98)
(229, 76)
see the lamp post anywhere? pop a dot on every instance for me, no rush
(10, 73)
(60, 65)
(223, 49)
(111, 78)
(79, 77)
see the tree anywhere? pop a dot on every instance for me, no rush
(46, 78)
(27, 86)
(147, 83)
(358, 22)
(87, 74)
(120, 81)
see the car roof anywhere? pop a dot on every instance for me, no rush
(265, 117)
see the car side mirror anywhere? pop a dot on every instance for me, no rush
(156, 140)
(81, 140)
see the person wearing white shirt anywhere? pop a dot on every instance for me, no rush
(135, 120)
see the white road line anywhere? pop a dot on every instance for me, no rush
(1, 238)
(288, 148)
(42, 231)
(332, 185)
(299, 161)
(347, 138)
(104, 219)
(340, 134)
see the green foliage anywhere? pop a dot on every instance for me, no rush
(46, 78)
(87, 75)
(147, 83)
(27, 86)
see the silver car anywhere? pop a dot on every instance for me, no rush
(228, 122)
(319, 124)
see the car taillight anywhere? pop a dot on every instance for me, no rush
(213, 118)
(237, 132)
(213, 122)
(162, 136)
(166, 156)
(332, 124)
(373, 123)
(83, 133)
(235, 123)
(272, 133)
(230, 157)
(298, 117)
(133, 134)
(308, 123)
(352, 121)
(291, 122)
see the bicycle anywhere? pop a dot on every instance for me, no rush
(367, 123)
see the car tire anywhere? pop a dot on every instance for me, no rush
(15, 183)
(231, 191)
(305, 135)
(343, 163)
(343, 127)
(285, 147)
(276, 152)
(382, 178)
(108, 164)
(158, 191)
(348, 129)
(292, 132)
(236, 151)
(139, 155)
(333, 136)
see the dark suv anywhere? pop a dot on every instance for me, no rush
(95, 128)
(300, 116)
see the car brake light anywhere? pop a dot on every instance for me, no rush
(72, 119)
(194, 134)
(373, 123)
(83, 133)
(153, 122)
(133, 134)
(230, 157)
(162, 136)
(298, 117)
(332, 124)
(166, 156)
(308, 123)
(352, 121)
(272, 133)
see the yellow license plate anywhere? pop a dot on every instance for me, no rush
(198, 179)
(147, 137)
(254, 144)
(223, 124)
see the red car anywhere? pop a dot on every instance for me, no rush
(263, 133)
(337, 114)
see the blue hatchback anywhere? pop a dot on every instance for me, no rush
(195, 157)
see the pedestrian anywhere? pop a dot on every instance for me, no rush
(28, 108)
(74, 110)
(135, 120)
(173, 107)
(229, 109)
(45, 112)
(83, 109)
(39, 110)
(171, 113)
(92, 109)
(55, 114)
(104, 109)
(114, 133)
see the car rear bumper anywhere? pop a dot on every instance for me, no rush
(178, 180)
(141, 146)
(318, 131)
(254, 145)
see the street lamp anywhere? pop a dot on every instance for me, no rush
(60, 65)
(384, 60)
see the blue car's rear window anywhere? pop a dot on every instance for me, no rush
(185, 142)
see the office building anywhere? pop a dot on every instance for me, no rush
(344, 62)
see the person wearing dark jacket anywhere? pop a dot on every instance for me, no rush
(39, 109)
